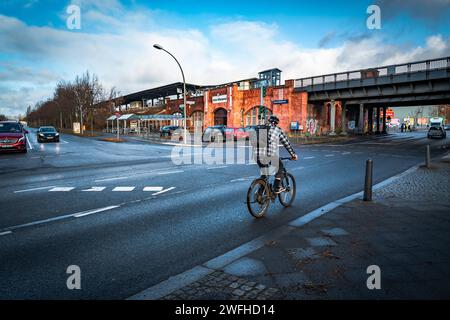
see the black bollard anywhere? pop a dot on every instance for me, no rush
(368, 181)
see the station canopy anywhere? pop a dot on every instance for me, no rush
(160, 92)
(157, 117)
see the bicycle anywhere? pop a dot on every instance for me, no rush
(261, 192)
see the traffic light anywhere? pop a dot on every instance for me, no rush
(264, 91)
(182, 109)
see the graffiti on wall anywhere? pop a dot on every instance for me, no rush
(312, 126)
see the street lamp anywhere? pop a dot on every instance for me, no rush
(159, 47)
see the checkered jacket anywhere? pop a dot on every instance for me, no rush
(271, 149)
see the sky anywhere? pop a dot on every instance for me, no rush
(215, 41)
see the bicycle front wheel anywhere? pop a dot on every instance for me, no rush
(258, 198)
(287, 197)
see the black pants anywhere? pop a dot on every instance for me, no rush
(264, 169)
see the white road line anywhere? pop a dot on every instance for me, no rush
(239, 180)
(63, 141)
(34, 189)
(5, 233)
(163, 191)
(170, 172)
(345, 153)
(29, 143)
(123, 189)
(111, 179)
(307, 158)
(214, 168)
(94, 189)
(153, 189)
(329, 155)
(87, 213)
(61, 189)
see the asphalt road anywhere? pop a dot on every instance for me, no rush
(130, 217)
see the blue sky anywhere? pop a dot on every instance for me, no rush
(216, 41)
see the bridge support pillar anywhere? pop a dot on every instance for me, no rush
(361, 119)
(333, 118)
(370, 120)
(384, 131)
(344, 118)
(378, 120)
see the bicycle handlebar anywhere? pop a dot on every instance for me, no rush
(283, 159)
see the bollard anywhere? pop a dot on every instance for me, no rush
(428, 158)
(368, 181)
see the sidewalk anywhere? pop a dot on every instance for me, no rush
(405, 231)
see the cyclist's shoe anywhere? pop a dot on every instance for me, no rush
(279, 189)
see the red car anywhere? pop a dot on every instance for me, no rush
(12, 137)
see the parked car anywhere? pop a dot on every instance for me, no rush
(437, 132)
(13, 136)
(47, 134)
(169, 131)
(211, 134)
(447, 127)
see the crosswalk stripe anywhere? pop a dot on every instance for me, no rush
(61, 189)
(123, 189)
(94, 189)
(153, 189)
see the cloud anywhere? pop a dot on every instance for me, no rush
(122, 53)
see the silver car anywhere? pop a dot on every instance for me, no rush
(437, 132)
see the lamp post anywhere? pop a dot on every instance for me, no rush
(159, 47)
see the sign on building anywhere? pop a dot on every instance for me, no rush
(220, 99)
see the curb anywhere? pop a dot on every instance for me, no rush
(181, 280)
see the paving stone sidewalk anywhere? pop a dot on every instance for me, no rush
(405, 231)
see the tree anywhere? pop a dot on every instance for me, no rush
(3, 117)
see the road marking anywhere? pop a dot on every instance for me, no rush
(63, 141)
(29, 143)
(163, 191)
(87, 213)
(5, 233)
(170, 172)
(94, 189)
(111, 179)
(214, 168)
(307, 158)
(345, 153)
(61, 189)
(34, 189)
(123, 189)
(329, 155)
(153, 189)
(239, 180)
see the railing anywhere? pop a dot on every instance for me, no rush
(398, 69)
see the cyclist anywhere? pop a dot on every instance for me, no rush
(268, 155)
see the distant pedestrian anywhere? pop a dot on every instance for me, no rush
(402, 127)
(409, 128)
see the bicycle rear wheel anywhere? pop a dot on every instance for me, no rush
(287, 197)
(258, 198)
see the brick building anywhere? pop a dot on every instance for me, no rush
(237, 104)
